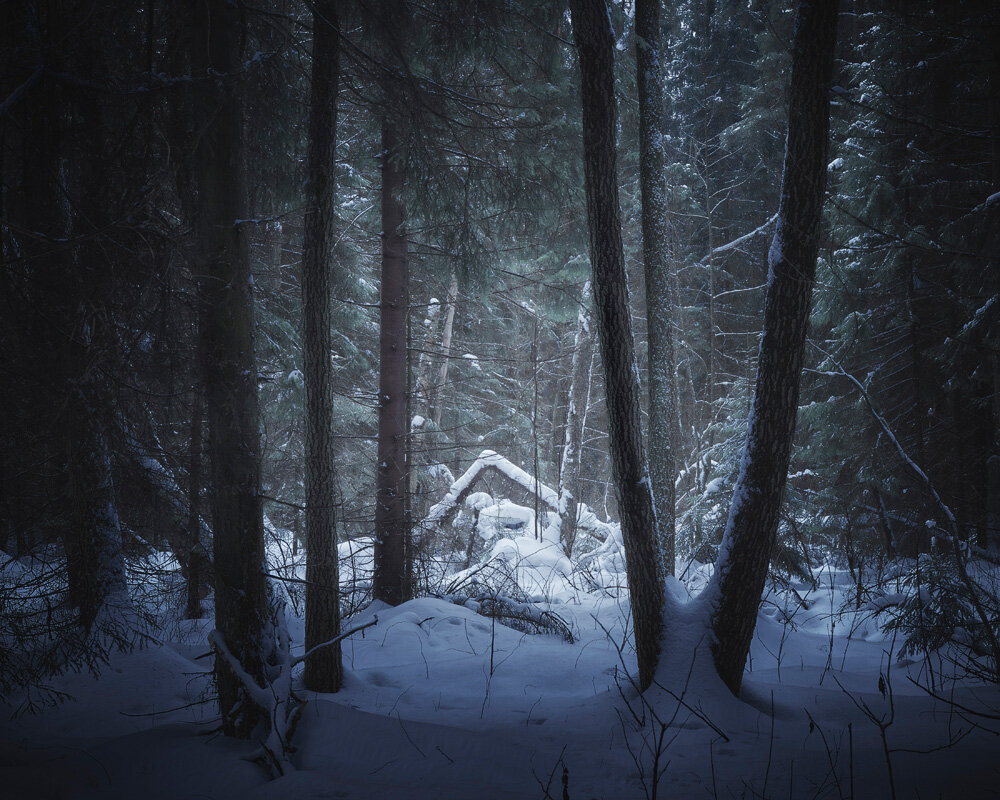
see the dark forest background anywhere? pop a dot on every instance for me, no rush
(147, 172)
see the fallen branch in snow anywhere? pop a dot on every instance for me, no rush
(520, 616)
(275, 698)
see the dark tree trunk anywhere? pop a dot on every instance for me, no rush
(197, 560)
(93, 356)
(752, 526)
(388, 582)
(659, 313)
(576, 420)
(323, 670)
(885, 523)
(992, 501)
(93, 546)
(96, 571)
(64, 193)
(595, 47)
(229, 368)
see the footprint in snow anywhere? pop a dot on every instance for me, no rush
(380, 679)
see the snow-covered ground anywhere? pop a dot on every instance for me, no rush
(441, 702)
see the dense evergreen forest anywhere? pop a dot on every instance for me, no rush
(500, 398)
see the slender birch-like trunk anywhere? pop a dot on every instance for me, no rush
(576, 420)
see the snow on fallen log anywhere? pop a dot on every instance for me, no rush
(488, 460)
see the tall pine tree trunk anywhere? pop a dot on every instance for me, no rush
(595, 47)
(229, 368)
(96, 569)
(73, 286)
(388, 583)
(992, 502)
(751, 529)
(659, 313)
(323, 670)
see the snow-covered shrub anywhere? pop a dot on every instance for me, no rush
(40, 634)
(938, 609)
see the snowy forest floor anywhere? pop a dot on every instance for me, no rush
(440, 702)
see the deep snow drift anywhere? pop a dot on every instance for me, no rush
(442, 702)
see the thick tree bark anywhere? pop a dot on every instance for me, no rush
(595, 47)
(229, 368)
(576, 420)
(656, 263)
(751, 529)
(323, 670)
(388, 583)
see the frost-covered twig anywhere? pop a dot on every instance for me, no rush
(722, 248)
(274, 698)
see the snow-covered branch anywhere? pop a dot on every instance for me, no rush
(723, 248)
(488, 460)
(340, 638)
